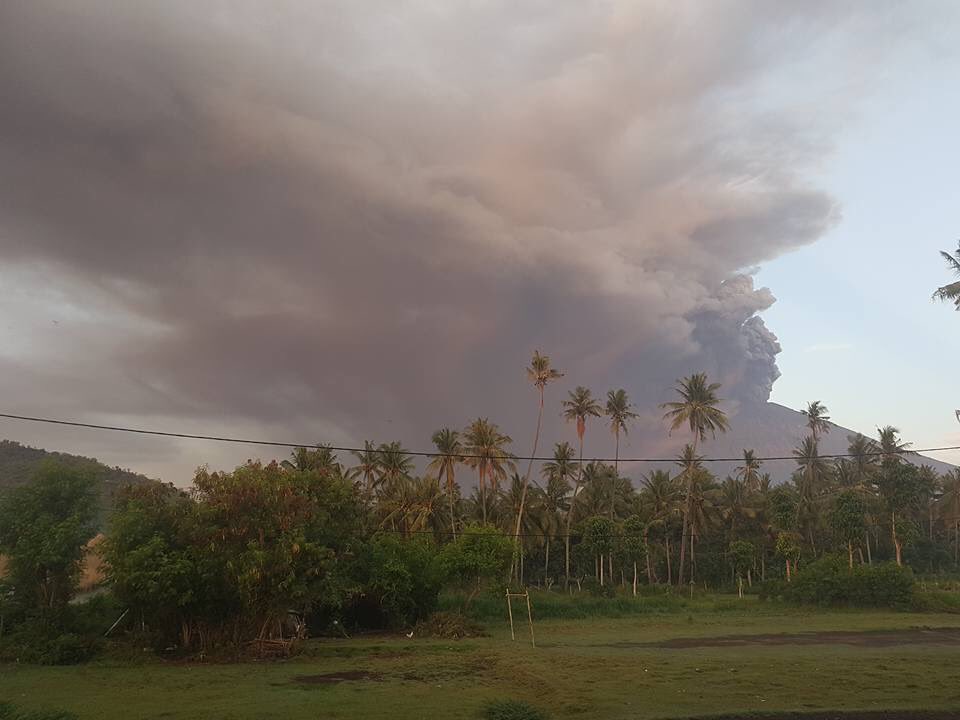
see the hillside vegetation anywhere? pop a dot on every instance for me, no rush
(19, 463)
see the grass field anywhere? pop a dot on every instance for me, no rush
(584, 668)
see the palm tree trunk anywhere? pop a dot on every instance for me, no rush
(956, 542)
(693, 562)
(896, 542)
(850, 552)
(601, 569)
(666, 545)
(634, 578)
(686, 515)
(573, 501)
(483, 494)
(616, 470)
(453, 516)
(646, 552)
(546, 562)
(866, 537)
(526, 477)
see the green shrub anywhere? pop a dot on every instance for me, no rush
(400, 581)
(939, 601)
(41, 642)
(595, 589)
(830, 581)
(511, 710)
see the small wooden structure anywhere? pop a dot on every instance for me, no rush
(526, 595)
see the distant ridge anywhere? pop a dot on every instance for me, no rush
(775, 430)
(19, 463)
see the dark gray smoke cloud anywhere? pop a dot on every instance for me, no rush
(357, 219)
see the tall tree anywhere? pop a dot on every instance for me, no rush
(697, 409)
(891, 447)
(749, 471)
(951, 291)
(448, 443)
(817, 419)
(579, 406)
(539, 373)
(44, 529)
(395, 465)
(553, 501)
(620, 411)
(485, 450)
(368, 467)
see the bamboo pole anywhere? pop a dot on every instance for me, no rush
(510, 613)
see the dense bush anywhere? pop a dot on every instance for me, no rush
(511, 710)
(830, 581)
(399, 581)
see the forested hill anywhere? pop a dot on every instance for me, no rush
(18, 463)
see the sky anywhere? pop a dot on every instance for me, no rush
(357, 220)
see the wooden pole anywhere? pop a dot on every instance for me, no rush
(510, 613)
(533, 641)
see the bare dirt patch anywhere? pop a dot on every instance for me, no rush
(871, 639)
(338, 677)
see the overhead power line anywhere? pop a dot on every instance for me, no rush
(415, 453)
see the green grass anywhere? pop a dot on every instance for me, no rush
(582, 668)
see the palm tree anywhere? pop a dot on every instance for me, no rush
(863, 458)
(749, 472)
(620, 411)
(891, 447)
(817, 419)
(447, 442)
(539, 373)
(485, 450)
(320, 457)
(812, 476)
(578, 406)
(395, 464)
(697, 408)
(660, 496)
(368, 466)
(951, 291)
(736, 507)
(553, 500)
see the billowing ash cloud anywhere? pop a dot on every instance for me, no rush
(357, 219)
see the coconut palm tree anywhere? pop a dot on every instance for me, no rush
(484, 449)
(320, 457)
(863, 458)
(448, 443)
(367, 467)
(395, 463)
(817, 419)
(810, 480)
(749, 471)
(697, 409)
(736, 506)
(539, 373)
(579, 406)
(951, 291)
(890, 445)
(620, 411)
(552, 502)
(563, 465)
(660, 495)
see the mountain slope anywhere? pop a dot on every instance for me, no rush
(775, 430)
(18, 463)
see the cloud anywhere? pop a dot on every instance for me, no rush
(359, 219)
